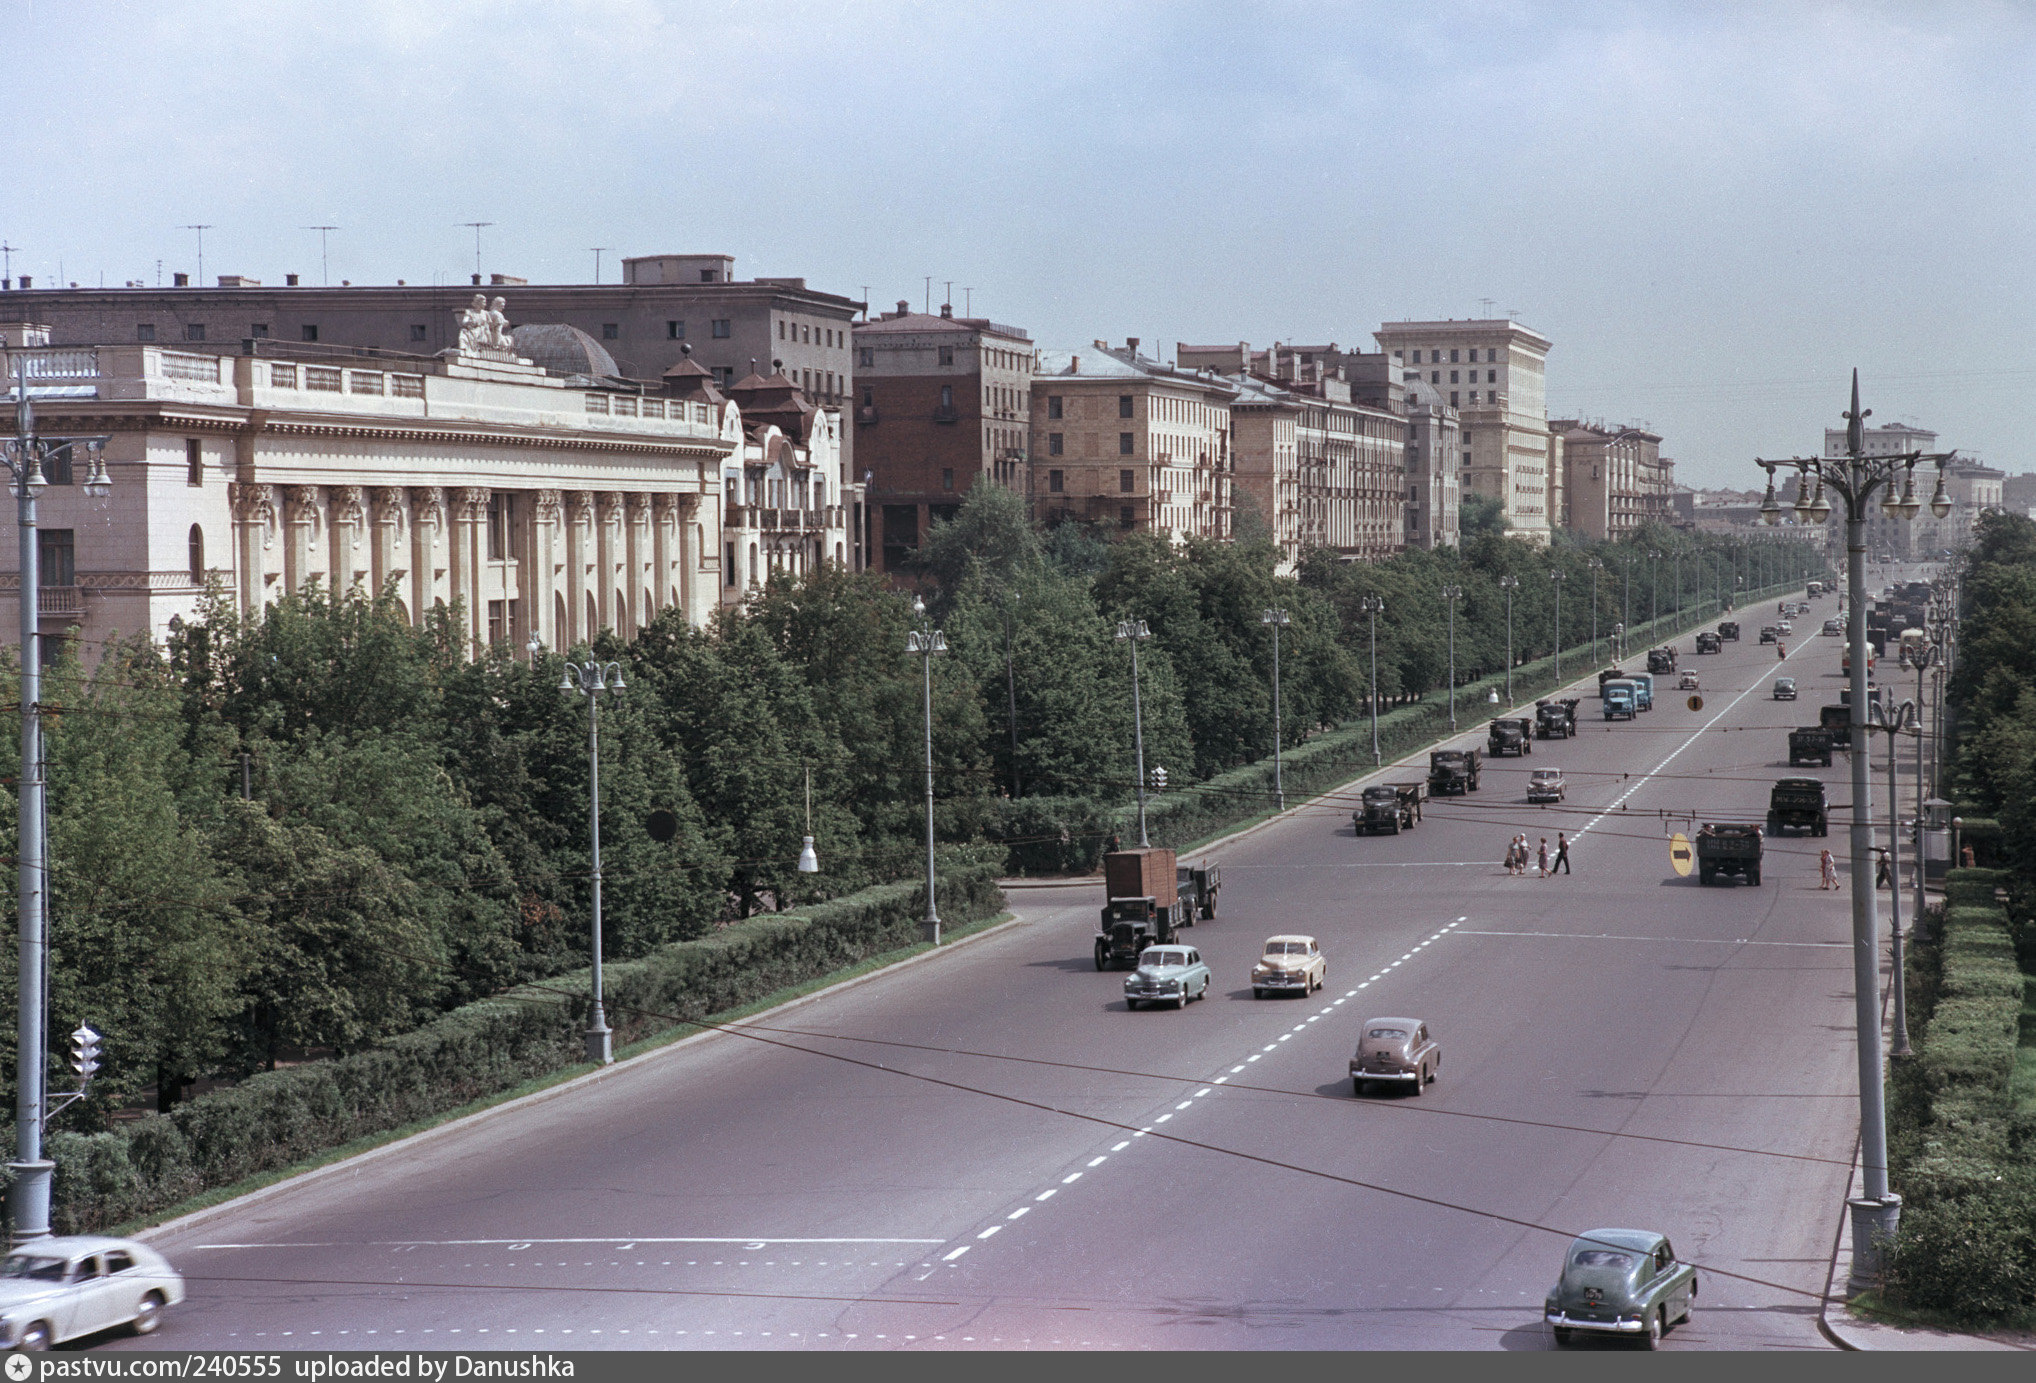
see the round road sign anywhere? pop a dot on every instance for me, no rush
(1696, 703)
(1679, 853)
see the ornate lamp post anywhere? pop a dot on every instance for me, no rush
(1556, 577)
(1374, 606)
(1450, 595)
(1134, 632)
(1653, 589)
(1277, 619)
(590, 679)
(1595, 567)
(1901, 720)
(928, 643)
(1854, 477)
(1509, 584)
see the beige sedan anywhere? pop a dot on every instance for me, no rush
(1290, 965)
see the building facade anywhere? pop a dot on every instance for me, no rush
(941, 403)
(1494, 373)
(786, 506)
(1434, 468)
(1616, 479)
(1132, 443)
(1896, 538)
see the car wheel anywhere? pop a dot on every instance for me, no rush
(1258, 993)
(1102, 956)
(148, 1314)
(1652, 1339)
(1562, 1336)
(1131, 1005)
(34, 1339)
(1420, 1081)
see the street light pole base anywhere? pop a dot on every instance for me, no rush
(28, 1200)
(1874, 1223)
(601, 1045)
(929, 930)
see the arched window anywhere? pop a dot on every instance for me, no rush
(197, 551)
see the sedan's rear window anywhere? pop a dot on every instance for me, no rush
(1388, 1034)
(1602, 1258)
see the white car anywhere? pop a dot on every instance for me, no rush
(58, 1289)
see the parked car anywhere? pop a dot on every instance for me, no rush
(1785, 689)
(1834, 628)
(1175, 974)
(1395, 1051)
(1620, 1282)
(1688, 682)
(1290, 964)
(58, 1289)
(1546, 785)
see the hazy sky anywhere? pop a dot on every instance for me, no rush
(1714, 211)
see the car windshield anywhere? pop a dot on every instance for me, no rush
(1159, 958)
(1785, 683)
(1388, 1034)
(1602, 1258)
(41, 1269)
(1286, 948)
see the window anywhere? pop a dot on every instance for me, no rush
(675, 331)
(866, 357)
(194, 461)
(721, 324)
(1055, 444)
(1124, 406)
(258, 330)
(781, 328)
(58, 550)
(710, 276)
(419, 332)
(58, 470)
(1452, 398)
(144, 331)
(498, 526)
(196, 545)
(497, 614)
(1452, 357)
(1054, 482)
(947, 396)
(1127, 482)
(1053, 406)
(194, 331)
(1125, 518)
(728, 566)
(947, 478)
(1491, 352)
(947, 355)
(1491, 376)
(1452, 376)
(311, 331)
(1473, 396)
(1435, 376)
(611, 331)
(806, 335)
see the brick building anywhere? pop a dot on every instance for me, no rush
(1616, 481)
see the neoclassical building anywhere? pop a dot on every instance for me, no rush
(539, 504)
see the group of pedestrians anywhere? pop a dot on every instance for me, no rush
(1518, 854)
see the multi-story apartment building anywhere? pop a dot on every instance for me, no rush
(1265, 451)
(1131, 442)
(786, 506)
(1494, 372)
(941, 402)
(1434, 465)
(1615, 478)
(1895, 537)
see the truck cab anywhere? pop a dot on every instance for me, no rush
(1141, 907)
(1618, 698)
(1729, 630)
(1810, 745)
(1661, 659)
(1197, 889)
(1511, 735)
(1728, 848)
(1393, 807)
(1709, 642)
(1454, 772)
(1555, 719)
(1797, 804)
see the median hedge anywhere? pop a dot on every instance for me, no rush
(1963, 1160)
(275, 1119)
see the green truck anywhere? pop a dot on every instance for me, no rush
(1729, 848)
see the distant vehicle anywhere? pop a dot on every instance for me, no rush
(1911, 644)
(1395, 1051)
(1290, 963)
(1730, 848)
(1394, 807)
(1607, 675)
(1810, 745)
(1556, 720)
(1454, 772)
(1834, 628)
(1837, 722)
(1661, 659)
(1785, 689)
(1141, 907)
(1618, 699)
(1688, 682)
(1547, 785)
(1845, 663)
(60, 1288)
(1164, 973)
(1785, 628)
(1510, 735)
(1643, 690)
(1708, 642)
(1816, 589)
(1729, 630)
(1620, 1282)
(1797, 804)
(1770, 634)
(1197, 890)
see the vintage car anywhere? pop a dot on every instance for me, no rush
(1785, 628)
(1785, 689)
(1769, 634)
(1620, 1282)
(58, 1289)
(1546, 785)
(1290, 965)
(1688, 682)
(1395, 1051)
(1834, 628)
(1167, 974)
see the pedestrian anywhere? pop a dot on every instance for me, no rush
(1883, 876)
(1827, 867)
(1512, 848)
(1544, 857)
(1965, 857)
(1113, 845)
(1520, 855)
(1561, 853)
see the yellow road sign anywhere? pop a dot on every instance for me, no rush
(1679, 853)
(1696, 703)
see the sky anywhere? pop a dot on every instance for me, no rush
(1715, 212)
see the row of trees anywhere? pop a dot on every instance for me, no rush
(304, 832)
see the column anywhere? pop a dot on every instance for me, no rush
(540, 583)
(253, 512)
(427, 528)
(579, 557)
(607, 557)
(636, 542)
(300, 517)
(469, 520)
(386, 515)
(347, 520)
(663, 529)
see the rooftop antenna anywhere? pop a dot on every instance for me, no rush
(948, 302)
(1512, 314)
(324, 264)
(866, 302)
(597, 249)
(929, 295)
(1487, 304)
(7, 251)
(968, 301)
(201, 249)
(477, 225)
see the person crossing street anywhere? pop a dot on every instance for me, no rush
(1561, 854)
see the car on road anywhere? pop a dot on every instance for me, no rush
(1769, 634)
(1290, 965)
(1395, 1051)
(1167, 974)
(1785, 628)
(61, 1288)
(1621, 1282)
(1546, 785)
(1688, 682)
(1834, 628)
(1785, 689)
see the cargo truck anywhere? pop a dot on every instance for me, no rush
(1141, 907)
(1555, 719)
(1730, 848)
(1454, 772)
(1510, 735)
(1797, 804)
(1393, 807)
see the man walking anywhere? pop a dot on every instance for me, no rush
(1561, 864)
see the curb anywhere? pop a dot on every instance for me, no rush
(353, 1164)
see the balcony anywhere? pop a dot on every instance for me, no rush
(60, 600)
(946, 413)
(866, 416)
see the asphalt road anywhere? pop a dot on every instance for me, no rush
(988, 1150)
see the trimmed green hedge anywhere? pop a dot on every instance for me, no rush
(1960, 1156)
(278, 1118)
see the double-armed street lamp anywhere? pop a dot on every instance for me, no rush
(1595, 568)
(1653, 587)
(1276, 618)
(1897, 721)
(1854, 477)
(1450, 595)
(591, 679)
(1374, 606)
(28, 457)
(1509, 584)
(1134, 632)
(928, 643)
(1556, 576)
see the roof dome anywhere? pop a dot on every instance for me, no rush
(560, 349)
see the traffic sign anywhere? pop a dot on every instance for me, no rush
(1679, 851)
(1696, 703)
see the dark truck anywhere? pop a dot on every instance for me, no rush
(1728, 847)
(1661, 659)
(1453, 772)
(1729, 629)
(1797, 804)
(1608, 675)
(1555, 719)
(1708, 642)
(1513, 735)
(1142, 905)
(1837, 722)
(1810, 745)
(1391, 807)
(1197, 890)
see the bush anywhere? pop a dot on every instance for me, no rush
(278, 1118)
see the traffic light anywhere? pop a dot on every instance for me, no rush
(84, 1053)
(1158, 779)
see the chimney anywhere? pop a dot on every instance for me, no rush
(1131, 344)
(180, 280)
(26, 281)
(903, 308)
(289, 280)
(947, 310)
(477, 280)
(1074, 364)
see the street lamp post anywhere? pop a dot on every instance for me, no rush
(1011, 693)
(1901, 720)
(1595, 567)
(927, 642)
(1678, 607)
(1450, 595)
(1926, 656)
(1509, 584)
(1653, 589)
(1276, 617)
(28, 1198)
(1373, 606)
(1134, 632)
(1855, 476)
(1557, 576)
(590, 679)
